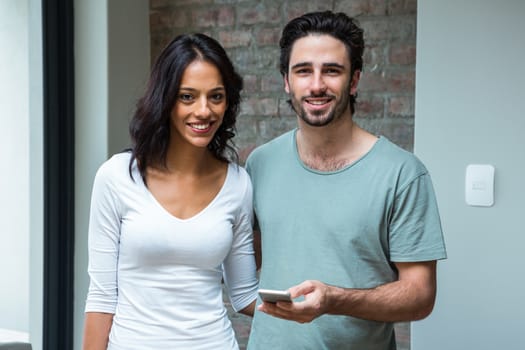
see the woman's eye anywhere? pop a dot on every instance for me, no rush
(217, 97)
(185, 97)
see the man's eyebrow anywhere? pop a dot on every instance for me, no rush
(333, 64)
(309, 64)
(301, 65)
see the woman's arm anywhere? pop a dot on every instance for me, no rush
(103, 249)
(96, 330)
(240, 275)
(249, 310)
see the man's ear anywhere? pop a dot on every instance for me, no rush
(355, 82)
(286, 84)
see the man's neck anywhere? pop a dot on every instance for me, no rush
(333, 147)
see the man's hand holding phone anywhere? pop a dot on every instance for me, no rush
(314, 304)
(273, 296)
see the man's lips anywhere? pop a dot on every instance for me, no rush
(318, 102)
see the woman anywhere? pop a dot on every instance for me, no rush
(171, 218)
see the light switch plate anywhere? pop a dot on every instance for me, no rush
(479, 185)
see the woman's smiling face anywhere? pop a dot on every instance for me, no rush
(200, 105)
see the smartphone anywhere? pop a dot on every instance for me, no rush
(273, 296)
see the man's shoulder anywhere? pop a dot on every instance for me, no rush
(395, 156)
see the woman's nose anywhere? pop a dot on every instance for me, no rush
(203, 108)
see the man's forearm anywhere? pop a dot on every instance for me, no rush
(393, 302)
(409, 298)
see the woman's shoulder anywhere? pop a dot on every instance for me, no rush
(237, 181)
(116, 167)
(238, 173)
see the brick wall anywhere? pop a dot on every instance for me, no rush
(250, 30)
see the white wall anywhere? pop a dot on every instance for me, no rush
(91, 106)
(14, 165)
(469, 109)
(36, 177)
(111, 66)
(21, 151)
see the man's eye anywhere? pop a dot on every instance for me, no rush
(302, 71)
(332, 71)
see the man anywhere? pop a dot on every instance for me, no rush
(349, 223)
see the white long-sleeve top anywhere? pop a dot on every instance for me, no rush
(161, 276)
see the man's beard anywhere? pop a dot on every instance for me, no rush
(321, 118)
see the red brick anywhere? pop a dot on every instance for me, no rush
(191, 3)
(244, 152)
(402, 7)
(272, 83)
(370, 106)
(372, 81)
(260, 106)
(376, 28)
(156, 4)
(374, 55)
(226, 16)
(268, 36)
(356, 8)
(400, 131)
(211, 17)
(402, 54)
(261, 60)
(168, 19)
(285, 109)
(257, 14)
(381, 28)
(234, 38)
(401, 105)
(250, 83)
(298, 8)
(403, 28)
(400, 81)
(270, 127)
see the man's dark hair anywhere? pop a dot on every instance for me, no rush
(150, 126)
(337, 25)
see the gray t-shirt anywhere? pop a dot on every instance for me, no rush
(344, 228)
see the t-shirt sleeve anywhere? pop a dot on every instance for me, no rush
(103, 245)
(415, 226)
(239, 266)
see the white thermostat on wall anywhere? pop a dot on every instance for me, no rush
(479, 185)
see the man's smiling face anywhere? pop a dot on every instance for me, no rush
(319, 79)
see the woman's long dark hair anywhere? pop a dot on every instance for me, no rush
(150, 126)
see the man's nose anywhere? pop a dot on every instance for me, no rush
(318, 84)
